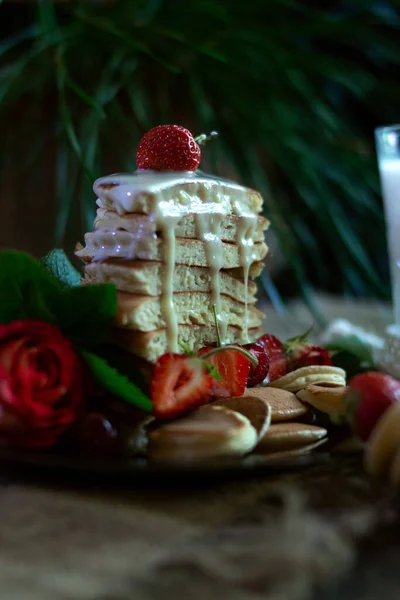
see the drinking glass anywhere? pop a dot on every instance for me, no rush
(388, 151)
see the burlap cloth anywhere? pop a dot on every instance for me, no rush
(325, 532)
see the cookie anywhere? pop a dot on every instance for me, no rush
(288, 436)
(206, 433)
(313, 374)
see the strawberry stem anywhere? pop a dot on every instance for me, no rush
(291, 343)
(203, 138)
(214, 308)
(253, 359)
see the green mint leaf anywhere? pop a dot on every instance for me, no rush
(59, 266)
(28, 291)
(115, 382)
(86, 312)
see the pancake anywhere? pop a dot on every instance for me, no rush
(140, 191)
(313, 374)
(288, 436)
(229, 227)
(284, 405)
(146, 278)
(152, 344)
(144, 313)
(101, 245)
(257, 411)
(207, 433)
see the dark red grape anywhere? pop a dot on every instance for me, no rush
(98, 434)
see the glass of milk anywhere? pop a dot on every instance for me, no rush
(388, 149)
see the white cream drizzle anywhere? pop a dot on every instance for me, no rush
(244, 239)
(210, 199)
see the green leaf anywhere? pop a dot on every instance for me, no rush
(86, 312)
(29, 291)
(352, 344)
(115, 382)
(59, 266)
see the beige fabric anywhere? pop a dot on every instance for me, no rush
(144, 313)
(146, 278)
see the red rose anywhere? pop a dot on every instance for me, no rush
(40, 384)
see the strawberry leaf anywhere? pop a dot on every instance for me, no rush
(212, 370)
(59, 266)
(115, 382)
(291, 343)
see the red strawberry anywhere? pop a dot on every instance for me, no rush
(304, 355)
(168, 147)
(372, 393)
(234, 369)
(278, 361)
(259, 372)
(179, 383)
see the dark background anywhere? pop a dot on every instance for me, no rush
(294, 88)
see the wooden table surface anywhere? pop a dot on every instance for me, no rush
(324, 532)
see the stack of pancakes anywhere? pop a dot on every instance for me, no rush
(175, 245)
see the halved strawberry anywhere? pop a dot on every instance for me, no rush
(233, 368)
(258, 372)
(278, 360)
(179, 383)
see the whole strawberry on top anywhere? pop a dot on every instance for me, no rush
(168, 147)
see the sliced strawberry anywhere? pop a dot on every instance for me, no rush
(233, 368)
(258, 372)
(179, 383)
(278, 360)
(305, 355)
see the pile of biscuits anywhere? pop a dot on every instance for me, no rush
(269, 420)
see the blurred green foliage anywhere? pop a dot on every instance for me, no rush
(294, 90)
